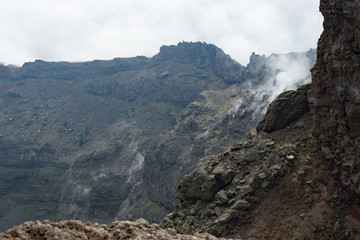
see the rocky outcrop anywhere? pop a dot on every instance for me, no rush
(73, 230)
(269, 186)
(204, 56)
(222, 191)
(335, 90)
(286, 108)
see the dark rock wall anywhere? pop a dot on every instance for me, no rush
(335, 91)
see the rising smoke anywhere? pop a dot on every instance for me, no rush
(291, 71)
(267, 77)
(137, 166)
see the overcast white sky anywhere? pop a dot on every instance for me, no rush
(83, 30)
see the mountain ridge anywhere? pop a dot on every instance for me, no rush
(67, 128)
(295, 180)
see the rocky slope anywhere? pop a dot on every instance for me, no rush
(108, 135)
(334, 98)
(294, 179)
(300, 179)
(210, 124)
(269, 186)
(81, 129)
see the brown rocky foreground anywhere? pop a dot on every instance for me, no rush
(73, 230)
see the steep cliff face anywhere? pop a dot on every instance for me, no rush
(108, 135)
(204, 56)
(335, 91)
(269, 186)
(81, 129)
(220, 117)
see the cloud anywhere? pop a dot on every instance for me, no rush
(292, 71)
(78, 30)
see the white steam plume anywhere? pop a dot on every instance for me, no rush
(137, 166)
(282, 72)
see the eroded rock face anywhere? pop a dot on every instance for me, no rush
(335, 90)
(73, 229)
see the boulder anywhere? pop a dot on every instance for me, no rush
(286, 108)
(198, 185)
